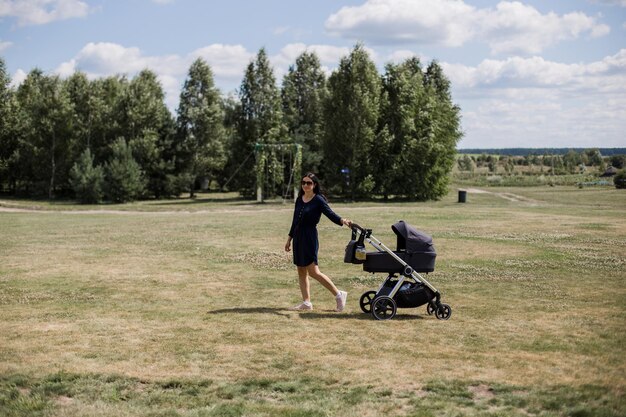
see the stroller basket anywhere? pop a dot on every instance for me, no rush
(410, 295)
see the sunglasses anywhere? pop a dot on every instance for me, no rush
(307, 182)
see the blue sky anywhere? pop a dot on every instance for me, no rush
(525, 73)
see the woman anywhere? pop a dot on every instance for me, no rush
(310, 205)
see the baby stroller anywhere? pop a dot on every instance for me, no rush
(404, 287)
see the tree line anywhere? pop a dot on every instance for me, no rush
(114, 139)
(538, 151)
(571, 162)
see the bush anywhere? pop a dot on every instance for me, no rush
(175, 185)
(125, 181)
(620, 179)
(86, 180)
(618, 161)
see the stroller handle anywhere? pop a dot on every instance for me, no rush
(354, 226)
(365, 232)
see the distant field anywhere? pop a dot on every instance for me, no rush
(179, 308)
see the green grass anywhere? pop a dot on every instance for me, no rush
(101, 395)
(178, 308)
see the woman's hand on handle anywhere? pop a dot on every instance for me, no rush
(347, 222)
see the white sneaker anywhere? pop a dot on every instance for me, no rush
(305, 305)
(341, 301)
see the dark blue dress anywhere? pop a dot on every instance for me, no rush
(303, 230)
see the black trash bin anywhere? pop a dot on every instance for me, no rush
(462, 196)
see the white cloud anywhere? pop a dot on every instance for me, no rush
(400, 55)
(515, 27)
(39, 12)
(328, 55)
(442, 22)
(102, 59)
(605, 76)
(612, 2)
(512, 27)
(539, 103)
(105, 59)
(281, 30)
(5, 45)
(18, 78)
(226, 61)
(544, 121)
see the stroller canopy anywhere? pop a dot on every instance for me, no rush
(411, 239)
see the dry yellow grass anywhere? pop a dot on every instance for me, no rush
(537, 293)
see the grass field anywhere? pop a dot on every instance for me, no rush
(179, 308)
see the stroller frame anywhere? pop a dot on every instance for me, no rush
(383, 307)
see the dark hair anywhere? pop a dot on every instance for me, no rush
(317, 188)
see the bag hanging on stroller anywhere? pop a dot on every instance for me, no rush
(414, 254)
(355, 251)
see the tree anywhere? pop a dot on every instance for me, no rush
(77, 88)
(402, 98)
(418, 113)
(232, 115)
(386, 156)
(260, 121)
(351, 114)
(509, 165)
(8, 138)
(465, 163)
(124, 178)
(618, 161)
(441, 131)
(45, 129)
(106, 104)
(593, 157)
(620, 179)
(200, 124)
(303, 94)
(572, 160)
(148, 125)
(87, 180)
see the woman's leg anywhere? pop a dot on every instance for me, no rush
(314, 271)
(305, 286)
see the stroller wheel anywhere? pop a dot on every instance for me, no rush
(366, 301)
(430, 308)
(384, 308)
(443, 312)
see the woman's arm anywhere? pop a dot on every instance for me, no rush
(332, 216)
(294, 221)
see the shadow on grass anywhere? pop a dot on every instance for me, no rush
(320, 314)
(221, 199)
(330, 314)
(204, 200)
(251, 310)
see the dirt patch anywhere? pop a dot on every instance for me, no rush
(454, 250)
(15, 210)
(481, 392)
(516, 198)
(63, 400)
(477, 191)
(11, 209)
(264, 260)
